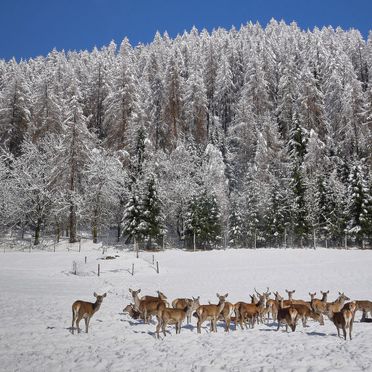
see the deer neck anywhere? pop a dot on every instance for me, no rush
(324, 298)
(262, 303)
(96, 306)
(220, 305)
(136, 301)
(340, 301)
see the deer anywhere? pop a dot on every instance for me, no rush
(181, 303)
(343, 319)
(272, 306)
(287, 315)
(365, 306)
(304, 312)
(147, 306)
(210, 312)
(85, 310)
(319, 305)
(161, 296)
(131, 311)
(254, 299)
(336, 306)
(251, 312)
(291, 301)
(175, 316)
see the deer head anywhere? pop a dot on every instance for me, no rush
(290, 294)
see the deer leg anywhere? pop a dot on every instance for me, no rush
(227, 324)
(198, 325)
(158, 328)
(278, 326)
(188, 319)
(344, 332)
(86, 324)
(350, 329)
(77, 324)
(338, 332)
(286, 327)
(73, 321)
(163, 326)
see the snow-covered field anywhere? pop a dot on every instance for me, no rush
(38, 288)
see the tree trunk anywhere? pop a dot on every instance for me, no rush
(72, 224)
(118, 232)
(57, 232)
(37, 232)
(95, 227)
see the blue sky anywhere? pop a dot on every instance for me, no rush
(29, 28)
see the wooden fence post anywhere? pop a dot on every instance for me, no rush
(85, 259)
(157, 267)
(99, 269)
(132, 269)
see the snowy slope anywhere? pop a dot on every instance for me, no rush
(38, 288)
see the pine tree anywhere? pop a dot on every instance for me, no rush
(152, 225)
(359, 207)
(236, 222)
(203, 220)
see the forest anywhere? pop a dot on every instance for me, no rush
(249, 137)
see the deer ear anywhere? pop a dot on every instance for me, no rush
(95, 294)
(294, 291)
(226, 295)
(130, 290)
(104, 295)
(286, 290)
(139, 290)
(217, 295)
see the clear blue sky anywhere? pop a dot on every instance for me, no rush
(29, 28)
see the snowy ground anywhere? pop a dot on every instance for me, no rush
(38, 288)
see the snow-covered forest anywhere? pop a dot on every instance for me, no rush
(239, 138)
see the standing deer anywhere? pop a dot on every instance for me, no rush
(147, 305)
(287, 315)
(291, 301)
(337, 305)
(365, 306)
(210, 312)
(181, 303)
(319, 306)
(167, 316)
(343, 319)
(252, 311)
(83, 309)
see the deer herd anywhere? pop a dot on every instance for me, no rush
(261, 309)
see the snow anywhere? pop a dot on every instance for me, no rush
(38, 289)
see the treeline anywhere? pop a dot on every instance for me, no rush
(250, 137)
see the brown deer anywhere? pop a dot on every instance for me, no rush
(210, 312)
(85, 310)
(291, 301)
(131, 311)
(337, 305)
(160, 296)
(304, 312)
(251, 312)
(181, 303)
(319, 305)
(167, 316)
(272, 306)
(365, 306)
(343, 319)
(287, 315)
(148, 306)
